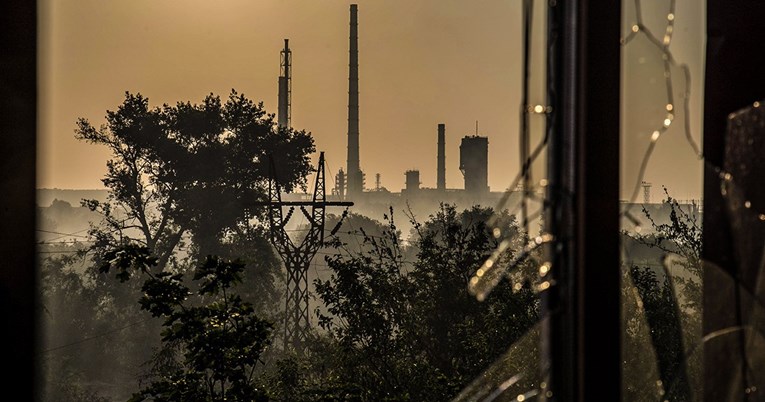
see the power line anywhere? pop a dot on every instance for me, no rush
(62, 233)
(90, 338)
(65, 242)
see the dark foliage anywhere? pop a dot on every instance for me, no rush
(410, 330)
(667, 291)
(219, 340)
(189, 169)
(92, 341)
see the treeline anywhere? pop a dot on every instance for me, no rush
(178, 295)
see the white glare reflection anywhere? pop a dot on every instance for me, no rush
(488, 276)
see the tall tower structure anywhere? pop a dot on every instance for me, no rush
(441, 172)
(340, 184)
(355, 177)
(474, 163)
(412, 181)
(297, 256)
(285, 86)
(646, 192)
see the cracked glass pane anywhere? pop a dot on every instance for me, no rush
(733, 341)
(661, 191)
(518, 374)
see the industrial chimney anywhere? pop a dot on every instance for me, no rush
(441, 172)
(285, 86)
(355, 177)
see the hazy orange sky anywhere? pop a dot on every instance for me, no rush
(422, 62)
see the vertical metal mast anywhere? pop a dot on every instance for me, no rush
(354, 170)
(285, 86)
(297, 258)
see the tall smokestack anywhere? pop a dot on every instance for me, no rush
(355, 180)
(285, 86)
(441, 172)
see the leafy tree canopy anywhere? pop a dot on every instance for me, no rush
(189, 169)
(409, 330)
(212, 343)
(662, 296)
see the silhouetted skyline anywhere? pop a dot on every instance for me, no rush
(421, 63)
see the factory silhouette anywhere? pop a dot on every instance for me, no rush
(350, 183)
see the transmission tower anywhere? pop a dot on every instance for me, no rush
(646, 192)
(297, 257)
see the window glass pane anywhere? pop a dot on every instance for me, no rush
(661, 189)
(198, 240)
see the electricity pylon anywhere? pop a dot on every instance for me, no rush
(297, 258)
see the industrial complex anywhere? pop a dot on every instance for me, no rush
(350, 183)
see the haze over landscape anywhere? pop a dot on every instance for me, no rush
(421, 63)
(191, 272)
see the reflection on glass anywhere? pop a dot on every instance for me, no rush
(661, 241)
(733, 327)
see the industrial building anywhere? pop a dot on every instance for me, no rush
(350, 181)
(474, 163)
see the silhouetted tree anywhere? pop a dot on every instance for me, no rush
(217, 336)
(180, 180)
(189, 169)
(92, 342)
(667, 303)
(413, 332)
